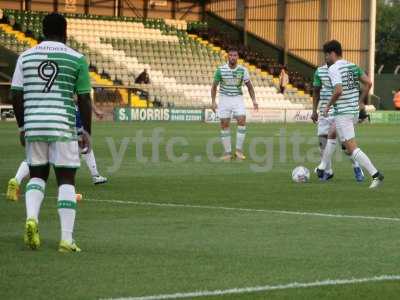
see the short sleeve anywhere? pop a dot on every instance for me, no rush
(83, 85)
(246, 76)
(334, 75)
(317, 80)
(217, 75)
(359, 72)
(18, 77)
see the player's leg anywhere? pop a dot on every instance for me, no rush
(14, 183)
(66, 204)
(322, 132)
(22, 172)
(358, 172)
(90, 161)
(37, 158)
(224, 114)
(239, 112)
(324, 169)
(65, 158)
(226, 139)
(322, 140)
(332, 145)
(35, 190)
(326, 130)
(240, 136)
(346, 133)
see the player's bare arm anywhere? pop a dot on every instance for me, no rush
(252, 94)
(214, 95)
(366, 87)
(17, 100)
(85, 109)
(316, 95)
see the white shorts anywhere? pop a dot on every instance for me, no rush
(59, 154)
(345, 126)
(229, 106)
(324, 124)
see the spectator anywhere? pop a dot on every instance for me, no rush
(143, 77)
(396, 100)
(271, 70)
(283, 79)
(95, 109)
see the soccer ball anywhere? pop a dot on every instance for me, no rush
(300, 174)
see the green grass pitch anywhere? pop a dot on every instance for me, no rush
(133, 247)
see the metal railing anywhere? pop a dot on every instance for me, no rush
(117, 95)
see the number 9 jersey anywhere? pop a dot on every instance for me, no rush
(49, 75)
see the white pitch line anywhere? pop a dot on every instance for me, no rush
(271, 211)
(265, 288)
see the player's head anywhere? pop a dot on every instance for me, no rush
(55, 27)
(233, 56)
(332, 51)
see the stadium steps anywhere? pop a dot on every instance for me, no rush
(18, 42)
(180, 65)
(194, 92)
(15, 41)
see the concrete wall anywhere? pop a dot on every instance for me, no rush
(302, 26)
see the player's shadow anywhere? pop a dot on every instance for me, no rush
(15, 243)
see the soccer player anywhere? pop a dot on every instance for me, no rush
(326, 125)
(45, 80)
(23, 169)
(88, 157)
(345, 78)
(231, 77)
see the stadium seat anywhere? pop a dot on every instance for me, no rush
(180, 65)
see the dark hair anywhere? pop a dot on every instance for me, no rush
(333, 46)
(233, 49)
(54, 25)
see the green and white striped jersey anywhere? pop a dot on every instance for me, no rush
(231, 80)
(321, 79)
(347, 74)
(49, 75)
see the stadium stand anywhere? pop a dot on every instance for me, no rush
(180, 65)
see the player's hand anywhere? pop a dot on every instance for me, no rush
(214, 107)
(84, 142)
(362, 115)
(314, 117)
(255, 105)
(22, 138)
